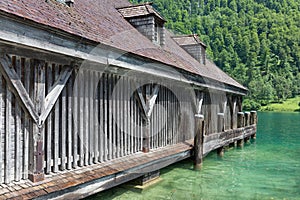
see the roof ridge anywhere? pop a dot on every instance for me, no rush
(135, 5)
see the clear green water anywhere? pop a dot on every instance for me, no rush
(268, 168)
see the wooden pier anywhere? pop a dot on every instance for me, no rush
(90, 100)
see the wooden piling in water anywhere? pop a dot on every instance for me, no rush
(253, 120)
(240, 124)
(240, 143)
(220, 151)
(198, 141)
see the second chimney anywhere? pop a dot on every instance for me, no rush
(193, 45)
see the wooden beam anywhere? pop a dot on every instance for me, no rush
(15, 84)
(8, 133)
(37, 137)
(142, 100)
(198, 141)
(152, 100)
(55, 92)
(200, 104)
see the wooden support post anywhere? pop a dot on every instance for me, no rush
(220, 151)
(198, 141)
(146, 140)
(233, 106)
(240, 143)
(247, 118)
(36, 164)
(231, 145)
(221, 123)
(240, 120)
(253, 120)
(147, 106)
(247, 139)
(253, 117)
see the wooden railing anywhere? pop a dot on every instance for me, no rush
(246, 128)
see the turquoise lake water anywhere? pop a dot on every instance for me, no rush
(267, 168)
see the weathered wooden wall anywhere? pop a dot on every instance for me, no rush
(86, 116)
(91, 121)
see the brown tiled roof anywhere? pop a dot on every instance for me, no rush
(100, 21)
(188, 40)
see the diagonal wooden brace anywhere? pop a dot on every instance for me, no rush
(54, 94)
(16, 86)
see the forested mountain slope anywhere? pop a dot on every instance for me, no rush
(255, 41)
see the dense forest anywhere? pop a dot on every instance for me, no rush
(255, 41)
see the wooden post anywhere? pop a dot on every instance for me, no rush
(247, 139)
(198, 141)
(247, 118)
(146, 140)
(240, 143)
(221, 122)
(36, 166)
(240, 124)
(253, 117)
(240, 120)
(220, 151)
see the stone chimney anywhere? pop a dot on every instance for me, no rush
(193, 45)
(146, 20)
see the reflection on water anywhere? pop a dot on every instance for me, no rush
(268, 168)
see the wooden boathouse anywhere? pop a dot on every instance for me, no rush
(95, 93)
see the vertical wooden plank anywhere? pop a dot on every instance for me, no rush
(179, 120)
(161, 119)
(132, 128)
(2, 108)
(155, 121)
(49, 122)
(69, 121)
(135, 122)
(86, 117)
(113, 114)
(27, 121)
(125, 115)
(151, 125)
(158, 116)
(96, 114)
(64, 116)
(109, 126)
(56, 126)
(91, 115)
(76, 117)
(106, 127)
(8, 158)
(101, 117)
(129, 117)
(81, 117)
(18, 150)
(165, 118)
(122, 115)
(117, 117)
